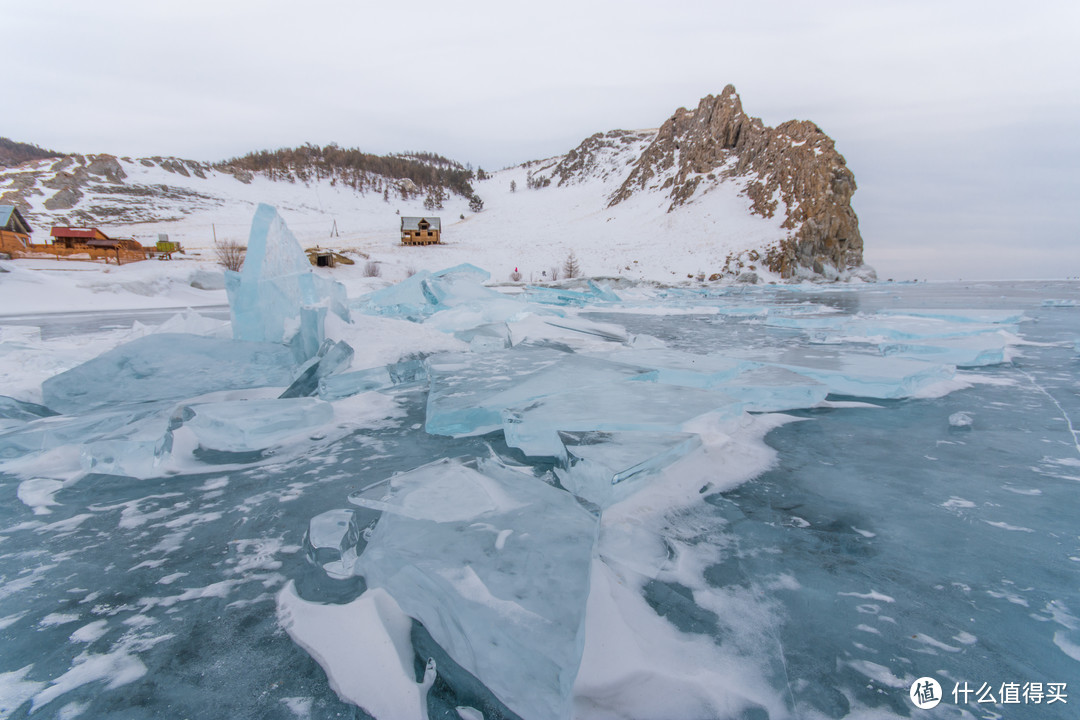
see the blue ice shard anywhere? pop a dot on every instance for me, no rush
(495, 564)
(247, 425)
(534, 427)
(469, 392)
(167, 366)
(21, 411)
(332, 357)
(974, 351)
(426, 293)
(870, 376)
(342, 385)
(563, 296)
(603, 468)
(276, 296)
(96, 428)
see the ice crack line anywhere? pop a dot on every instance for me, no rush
(1068, 420)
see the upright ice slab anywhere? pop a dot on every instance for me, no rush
(495, 564)
(276, 296)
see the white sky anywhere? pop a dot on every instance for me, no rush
(959, 119)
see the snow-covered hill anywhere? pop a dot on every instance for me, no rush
(609, 202)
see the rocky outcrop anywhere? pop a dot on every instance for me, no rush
(600, 156)
(107, 167)
(792, 169)
(64, 199)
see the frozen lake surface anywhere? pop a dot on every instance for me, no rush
(822, 494)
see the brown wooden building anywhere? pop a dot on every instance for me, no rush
(420, 231)
(14, 230)
(92, 241)
(75, 237)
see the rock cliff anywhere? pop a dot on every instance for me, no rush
(792, 169)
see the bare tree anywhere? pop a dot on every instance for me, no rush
(230, 254)
(571, 269)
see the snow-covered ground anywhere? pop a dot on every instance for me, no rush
(532, 230)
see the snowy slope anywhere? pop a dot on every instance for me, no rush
(530, 229)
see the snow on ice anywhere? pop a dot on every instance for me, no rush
(559, 503)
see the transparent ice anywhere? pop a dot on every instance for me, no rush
(747, 502)
(495, 563)
(276, 296)
(167, 366)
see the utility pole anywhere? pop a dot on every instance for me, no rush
(334, 230)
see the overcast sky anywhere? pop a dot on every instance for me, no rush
(960, 120)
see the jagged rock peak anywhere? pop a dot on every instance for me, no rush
(793, 168)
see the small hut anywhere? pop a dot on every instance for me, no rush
(327, 258)
(420, 231)
(14, 230)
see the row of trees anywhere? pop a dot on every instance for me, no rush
(421, 173)
(14, 153)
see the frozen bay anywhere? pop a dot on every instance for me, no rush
(808, 513)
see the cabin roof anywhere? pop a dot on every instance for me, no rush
(75, 232)
(413, 223)
(10, 215)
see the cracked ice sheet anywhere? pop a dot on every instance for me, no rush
(469, 392)
(761, 388)
(848, 372)
(634, 405)
(508, 608)
(575, 332)
(606, 467)
(167, 366)
(636, 663)
(974, 351)
(133, 442)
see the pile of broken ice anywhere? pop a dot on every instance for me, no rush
(493, 556)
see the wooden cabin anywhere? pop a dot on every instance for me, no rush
(73, 237)
(420, 231)
(14, 230)
(96, 244)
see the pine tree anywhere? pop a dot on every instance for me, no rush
(476, 204)
(513, 186)
(571, 268)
